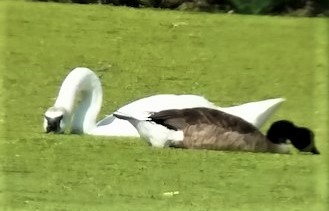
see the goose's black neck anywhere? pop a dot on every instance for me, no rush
(280, 131)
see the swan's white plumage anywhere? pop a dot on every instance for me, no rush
(84, 81)
(255, 112)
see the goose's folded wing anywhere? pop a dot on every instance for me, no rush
(107, 120)
(178, 119)
(172, 119)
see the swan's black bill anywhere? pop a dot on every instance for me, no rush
(53, 124)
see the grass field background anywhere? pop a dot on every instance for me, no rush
(2, 111)
(229, 59)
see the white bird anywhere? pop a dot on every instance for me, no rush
(206, 128)
(84, 82)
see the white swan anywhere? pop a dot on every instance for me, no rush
(82, 119)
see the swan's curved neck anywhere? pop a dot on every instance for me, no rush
(81, 81)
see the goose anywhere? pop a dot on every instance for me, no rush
(83, 82)
(206, 128)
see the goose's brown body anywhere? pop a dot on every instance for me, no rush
(206, 128)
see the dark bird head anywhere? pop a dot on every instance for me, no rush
(300, 137)
(303, 139)
(280, 131)
(54, 120)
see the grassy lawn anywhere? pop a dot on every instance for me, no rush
(2, 112)
(229, 59)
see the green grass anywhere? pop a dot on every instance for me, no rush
(2, 111)
(229, 59)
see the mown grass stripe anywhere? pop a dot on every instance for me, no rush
(2, 61)
(2, 110)
(321, 105)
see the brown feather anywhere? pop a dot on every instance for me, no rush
(206, 128)
(206, 136)
(178, 119)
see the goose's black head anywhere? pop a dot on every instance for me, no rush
(54, 120)
(303, 139)
(300, 137)
(280, 131)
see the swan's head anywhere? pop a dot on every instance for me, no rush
(300, 137)
(55, 120)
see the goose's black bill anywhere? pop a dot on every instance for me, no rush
(315, 151)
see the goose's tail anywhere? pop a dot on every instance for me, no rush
(301, 138)
(155, 134)
(125, 116)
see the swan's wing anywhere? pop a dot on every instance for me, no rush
(255, 112)
(162, 102)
